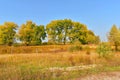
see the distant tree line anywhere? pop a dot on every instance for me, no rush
(57, 31)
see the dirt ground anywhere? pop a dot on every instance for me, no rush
(102, 76)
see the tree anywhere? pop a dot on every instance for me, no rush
(39, 35)
(67, 27)
(58, 30)
(51, 31)
(7, 33)
(78, 33)
(97, 40)
(30, 33)
(26, 32)
(92, 38)
(114, 36)
(62, 31)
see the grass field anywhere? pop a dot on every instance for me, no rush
(38, 65)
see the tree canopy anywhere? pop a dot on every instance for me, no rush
(57, 32)
(62, 31)
(30, 33)
(7, 33)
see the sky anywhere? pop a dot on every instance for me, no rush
(98, 15)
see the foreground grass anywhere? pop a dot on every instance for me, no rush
(35, 66)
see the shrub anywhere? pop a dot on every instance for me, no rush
(75, 48)
(104, 50)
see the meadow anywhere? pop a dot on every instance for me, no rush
(53, 62)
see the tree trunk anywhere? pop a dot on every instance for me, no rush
(64, 41)
(26, 44)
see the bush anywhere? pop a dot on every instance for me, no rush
(75, 48)
(104, 50)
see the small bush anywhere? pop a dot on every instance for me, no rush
(75, 48)
(104, 50)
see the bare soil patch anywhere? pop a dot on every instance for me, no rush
(102, 76)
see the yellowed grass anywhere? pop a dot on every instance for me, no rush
(31, 66)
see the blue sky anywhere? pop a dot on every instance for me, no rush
(98, 15)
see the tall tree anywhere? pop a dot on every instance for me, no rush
(58, 30)
(26, 32)
(114, 36)
(67, 24)
(39, 34)
(92, 38)
(62, 31)
(30, 33)
(52, 31)
(79, 33)
(7, 33)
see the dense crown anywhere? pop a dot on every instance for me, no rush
(7, 33)
(63, 31)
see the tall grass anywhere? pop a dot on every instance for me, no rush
(31, 49)
(41, 49)
(30, 65)
(34, 66)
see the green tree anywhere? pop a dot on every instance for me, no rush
(62, 31)
(67, 27)
(26, 32)
(91, 38)
(80, 33)
(59, 30)
(30, 33)
(114, 36)
(39, 34)
(7, 33)
(51, 31)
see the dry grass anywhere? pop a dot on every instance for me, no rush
(32, 49)
(38, 49)
(33, 66)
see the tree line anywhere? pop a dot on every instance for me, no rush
(57, 32)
